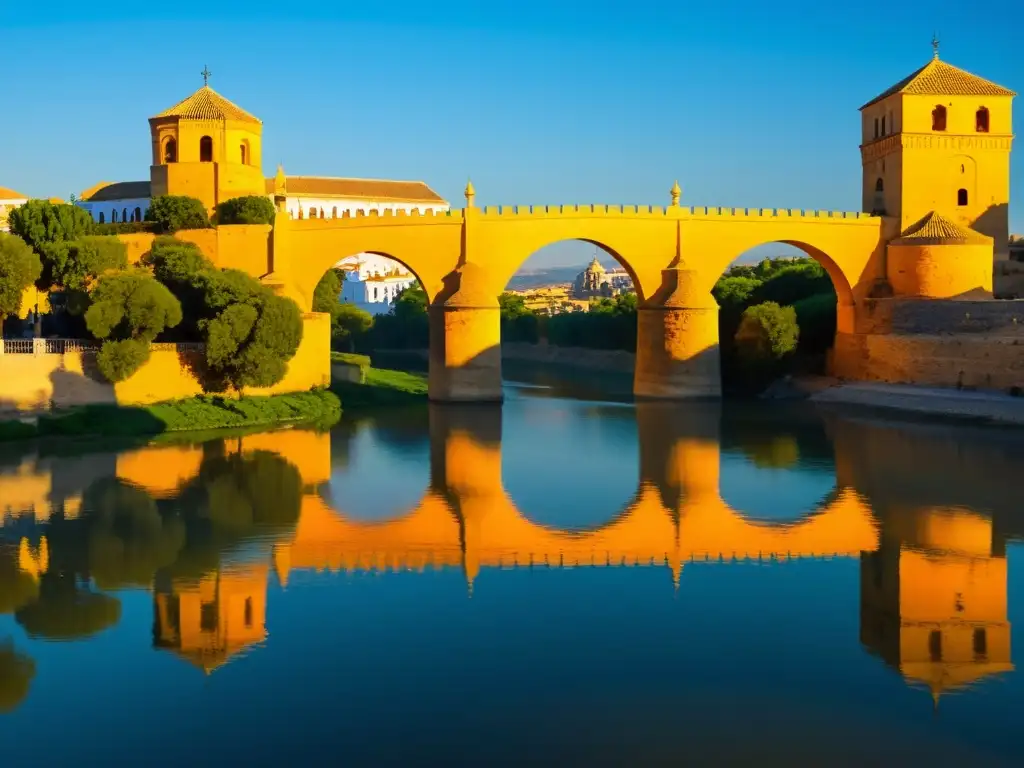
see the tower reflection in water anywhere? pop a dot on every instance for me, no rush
(202, 525)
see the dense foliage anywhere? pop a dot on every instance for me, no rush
(169, 213)
(19, 268)
(39, 221)
(128, 310)
(250, 332)
(72, 265)
(251, 209)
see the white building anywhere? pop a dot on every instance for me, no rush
(372, 282)
(9, 200)
(619, 280)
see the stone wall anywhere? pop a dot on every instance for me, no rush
(976, 344)
(931, 360)
(35, 382)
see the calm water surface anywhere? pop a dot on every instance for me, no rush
(571, 579)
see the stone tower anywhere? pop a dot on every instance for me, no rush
(939, 140)
(208, 148)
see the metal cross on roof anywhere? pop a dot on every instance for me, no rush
(935, 45)
(206, 75)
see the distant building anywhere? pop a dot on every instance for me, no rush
(9, 200)
(1016, 247)
(596, 281)
(373, 282)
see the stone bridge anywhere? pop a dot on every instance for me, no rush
(464, 260)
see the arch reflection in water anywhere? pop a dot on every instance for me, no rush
(676, 515)
(202, 525)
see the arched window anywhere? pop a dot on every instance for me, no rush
(981, 120)
(138, 214)
(312, 213)
(334, 212)
(961, 197)
(206, 150)
(939, 118)
(170, 151)
(243, 150)
(879, 186)
(878, 203)
(102, 218)
(124, 214)
(876, 127)
(883, 125)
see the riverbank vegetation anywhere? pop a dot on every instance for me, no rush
(316, 407)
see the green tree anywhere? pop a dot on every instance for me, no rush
(733, 291)
(512, 306)
(129, 309)
(186, 271)
(16, 673)
(411, 303)
(251, 209)
(39, 221)
(251, 340)
(349, 324)
(19, 268)
(170, 213)
(767, 332)
(327, 293)
(73, 265)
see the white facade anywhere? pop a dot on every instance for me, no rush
(116, 211)
(134, 208)
(372, 282)
(619, 279)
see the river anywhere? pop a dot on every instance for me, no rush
(569, 579)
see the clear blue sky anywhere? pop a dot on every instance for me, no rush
(747, 104)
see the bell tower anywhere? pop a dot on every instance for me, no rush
(208, 148)
(939, 141)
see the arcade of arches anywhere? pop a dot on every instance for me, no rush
(934, 215)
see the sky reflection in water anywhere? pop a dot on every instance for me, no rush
(798, 588)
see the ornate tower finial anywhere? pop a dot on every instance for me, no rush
(675, 192)
(935, 45)
(206, 75)
(470, 193)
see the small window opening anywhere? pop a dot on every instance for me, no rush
(980, 642)
(206, 150)
(961, 197)
(935, 645)
(981, 120)
(939, 118)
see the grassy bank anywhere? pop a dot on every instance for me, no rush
(382, 387)
(319, 407)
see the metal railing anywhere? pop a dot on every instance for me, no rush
(63, 346)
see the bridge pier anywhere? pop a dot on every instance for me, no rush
(677, 355)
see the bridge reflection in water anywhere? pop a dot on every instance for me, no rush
(933, 563)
